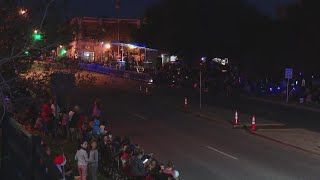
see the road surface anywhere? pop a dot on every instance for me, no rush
(200, 149)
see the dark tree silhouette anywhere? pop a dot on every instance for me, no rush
(224, 28)
(260, 45)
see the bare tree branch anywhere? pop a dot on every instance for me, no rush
(6, 60)
(45, 14)
(18, 51)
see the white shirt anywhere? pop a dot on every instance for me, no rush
(82, 157)
(71, 113)
(55, 110)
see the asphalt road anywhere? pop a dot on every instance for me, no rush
(292, 117)
(199, 149)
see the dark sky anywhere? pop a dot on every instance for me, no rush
(269, 7)
(128, 8)
(135, 8)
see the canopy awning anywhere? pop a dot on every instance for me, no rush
(134, 45)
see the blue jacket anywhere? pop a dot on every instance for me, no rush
(96, 127)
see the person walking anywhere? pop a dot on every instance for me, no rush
(82, 158)
(96, 111)
(93, 160)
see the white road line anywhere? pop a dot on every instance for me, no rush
(139, 116)
(221, 152)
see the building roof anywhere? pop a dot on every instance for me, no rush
(107, 20)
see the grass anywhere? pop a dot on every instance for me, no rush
(59, 145)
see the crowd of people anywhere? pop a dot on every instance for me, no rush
(98, 151)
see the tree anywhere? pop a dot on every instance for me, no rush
(28, 29)
(299, 35)
(223, 28)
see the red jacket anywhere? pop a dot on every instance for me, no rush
(46, 113)
(81, 121)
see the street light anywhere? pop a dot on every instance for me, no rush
(23, 12)
(63, 51)
(107, 46)
(36, 35)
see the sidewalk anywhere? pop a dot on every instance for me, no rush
(301, 139)
(304, 106)
(227, 117)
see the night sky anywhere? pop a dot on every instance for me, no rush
(128, 9)
(269, 7)
(135, 8)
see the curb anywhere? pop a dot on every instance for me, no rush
(212, 119)
(235, 126)
(181, 109)
(281, 142)
(266, 126)
(286, 105)
(238, 126)
(243, 126)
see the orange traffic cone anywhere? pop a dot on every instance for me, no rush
(253, 124)
(235, 122)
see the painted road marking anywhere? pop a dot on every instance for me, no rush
(222, 152)
(139, 116)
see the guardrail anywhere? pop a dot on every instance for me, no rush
(119, 73)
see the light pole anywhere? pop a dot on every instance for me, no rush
(203, 59)
(118, 34)
(145, 55)
(107, 46)
(117, 7)
(200, 89)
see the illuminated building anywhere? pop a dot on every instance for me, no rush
(92, 37)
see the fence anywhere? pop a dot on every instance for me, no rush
(21, 153)
(119, 73)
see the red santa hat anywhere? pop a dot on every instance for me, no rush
(60, 160)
